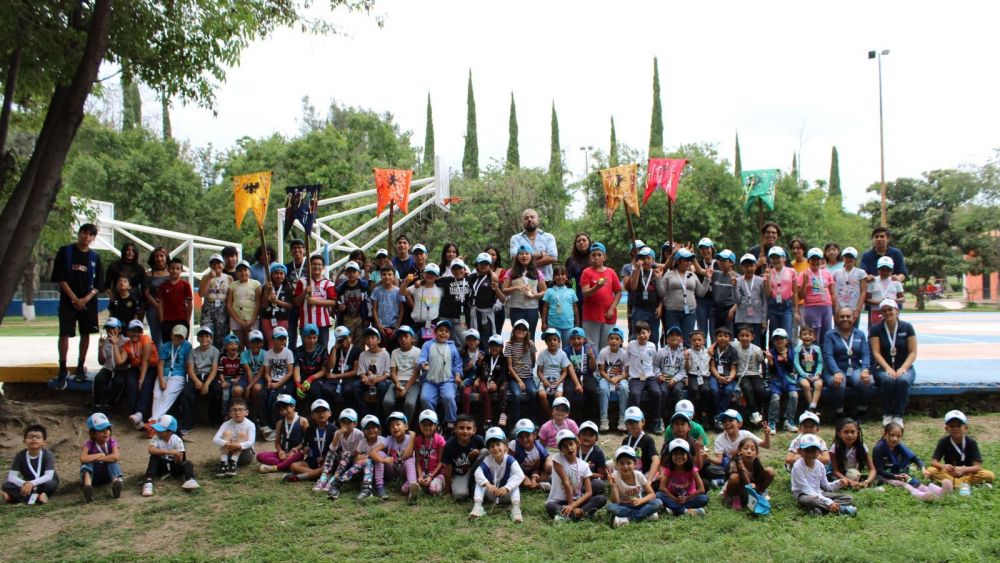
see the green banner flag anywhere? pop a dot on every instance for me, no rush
(758, 185)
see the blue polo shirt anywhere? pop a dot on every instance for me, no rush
(175, 358)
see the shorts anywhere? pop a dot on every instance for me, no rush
(70, 319)
(233, 325)
(548, 385)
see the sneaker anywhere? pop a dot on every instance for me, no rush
(366, 491)
(813, 408)
(965, 490)
(988, 486)
(696, 511)
(333, 491)
(791, 427)
(88, 493)
(947, 487)
(380, 493)
(604, 426)
(321, 485)
(657, 427)
(618, 522)
(231, 469)
(291, 478)
(849, 511)
(545, 486)
(116, 487)
(560, 519)
(621, 424)
(264, 468)
(222, 469)
(653, 517)
(414, 492)
(61, 380)
(477, 512)
(737, 503)
(136, 420)
(886, 420)
(502, 421)
(773, 427)
(147, 489)
(756, 418)
(717, 483)
(515, 513)
(81, 374)
(190, 485)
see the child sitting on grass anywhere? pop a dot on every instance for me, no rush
(647, 457)
(99, 458)
(235, 439)
(359, 462)
(956, 457)
(428, 450)
(167, 456)
(394, 456)
(498, 477)
(341, 454)
(727, 443)
(317, 444)
(810, 487)
(461, 456)
(808, 424)
(591, 453)
(849, 456)
(32, 477)
(571, 496)
(745, 469)
(560, 421)
(681, 489)
(288, 442)
(892, 463)
(632, 497)
(531, 455)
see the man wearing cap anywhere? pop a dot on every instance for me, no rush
(212, 288)
(542, 244)
(110, 380)
(880, 248)
(77, 270)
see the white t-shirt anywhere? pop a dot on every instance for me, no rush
(552, 364)
(628, 492)
(379, 360)
(175, 443)
(640, 359)
(245, 432)
(794, 446)
(426, 303)
(847, 286)
(404, 363)
(884, 289)
(279, 363)
(576, 473)
(727, 446)
(612, 360)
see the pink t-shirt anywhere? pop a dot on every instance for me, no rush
(781, 283)
(428, 452)
(680, 481)
(817, 285)
(547, 433)
(597, 304)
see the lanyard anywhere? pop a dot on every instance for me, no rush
(37, 472)
(961, 451)
(882, 287)
(287, 429)
(298, 271)
(255, 363)
(848, 343)
(777, 280)
(684, 291)
(630, 443)
(892, 340)
(461, 290)
(583, 358)
(586, 456)
(749, 290)
(494, 360)
(673, 358)
(645, 281)
(426, 304)
(135, 350)
(102, 450)
(173, 357)
(343, 359)
(320, 441)
(480, 281)
(744, 368)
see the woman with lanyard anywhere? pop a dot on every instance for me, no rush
(155, 277)
(846, 360)
(140, 353)
(704, 266)
(679, 288)
(782, 306)
(578, 261)
(894, 349)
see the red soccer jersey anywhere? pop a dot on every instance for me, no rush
(174, 297)
(319, 315)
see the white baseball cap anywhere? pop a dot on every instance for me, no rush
(809, 415)
(885, 262)
(685, 406)
(588, 425)
(370, 419)
(352, 265)
(484, 257)
(456, 263)
(955, 415)
(432, 268)
(495, 434)
(561, 402)
(255, 335)
(319, 404)
(341, 332)
(564, 434)
(429, 415)
(815, 253)
(524, 425)
(748, 258)
(850, 251)
(381, 252)
(349, 414)
(98, 421)
(634, 414)
(809, 441)
(777, 251)
(679, 443)
(626, 450)
(472, 333)
(779, 333)
(419, 248)
(888, 303)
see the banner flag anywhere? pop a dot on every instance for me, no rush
(250, 191)
(394, 186)
(665, 174)
(619, 185)
(300, 204)
(758, 185)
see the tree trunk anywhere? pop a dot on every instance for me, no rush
(921, 298)
(13, 67)
(28, 286)
(28, 208)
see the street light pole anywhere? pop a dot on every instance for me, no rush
(881, 130)
(586, 158)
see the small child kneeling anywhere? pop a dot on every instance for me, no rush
(498, 476)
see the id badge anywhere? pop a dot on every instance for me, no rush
(645, 296)
(778, 299)
(687, 310)
(274, 323)
(751, 311)
(642, 376)
(427, 333)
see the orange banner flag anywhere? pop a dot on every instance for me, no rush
(619, 185)
(394, 186)
(250, 191)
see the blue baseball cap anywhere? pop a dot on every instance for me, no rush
(523, 248)
(405, 329)
(615, 331)
(634, 414)
(229, 339)
(683, 254)
(646, 251)
(275, 267)
(727, 255)
(731, 413)
(776, 251)
(674, 330)
(443, 323)
(706, 243)
(577, 331)
(98, 421)
(310, 330)
(112, 322)
(165, 423)
(598, 246)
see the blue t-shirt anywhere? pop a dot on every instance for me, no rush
(175, 358)
(560, 300)
(388, 304)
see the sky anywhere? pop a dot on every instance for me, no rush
(789, 77)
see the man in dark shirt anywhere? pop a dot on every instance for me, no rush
(880, 247)
(297, 268)
(769, 234)
(77, 269)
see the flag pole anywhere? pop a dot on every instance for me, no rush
(391, 206)
(628, 219)
(670, 218)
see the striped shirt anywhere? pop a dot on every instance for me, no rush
(319, 315)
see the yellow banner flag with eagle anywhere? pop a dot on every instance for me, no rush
(250, 191)
(619, 185)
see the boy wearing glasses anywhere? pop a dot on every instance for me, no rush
(235, 439)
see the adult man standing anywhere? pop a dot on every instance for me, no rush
(769, 234)
(77, 269)
(297, 269)
(542, 244)
(880, 247)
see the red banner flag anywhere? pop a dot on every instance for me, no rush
(665, 174)
(394, 186)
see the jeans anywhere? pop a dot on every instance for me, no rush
(895, 392)
(98, 476)
(650, 389)
(554, 507)
(531, 390)
(430, 392)
(703, 313)
(780, 316)
(390, 401)
(365, 402)
(605, 395)
(530, 315)
(140, 398)
(723, 395)
(597, 333)
(651, 320)
(696, 501)
(852, 377)
(686, 323)
(778, 388)
(820, 318)
(635, 514)
(158, 465)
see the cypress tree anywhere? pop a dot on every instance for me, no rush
(835, 174)
(168, 132)
(429, 137)
(513, 155)
(470, 162)
(739, 161)
(795, 166)
(131, 101)
(613, 154)
(656, 124)
(555, 159)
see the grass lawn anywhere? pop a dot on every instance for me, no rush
(254, 517)
(41, 326)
